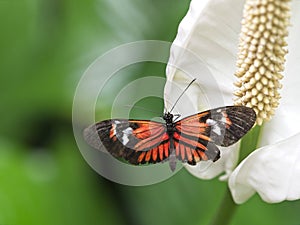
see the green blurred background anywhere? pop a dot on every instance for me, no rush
(45, 46)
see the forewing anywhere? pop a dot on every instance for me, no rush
(137, 141)
(223, 126)
(229, 124)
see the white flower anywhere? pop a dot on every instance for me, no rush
(211, 31)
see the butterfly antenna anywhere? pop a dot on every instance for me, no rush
(182, 94)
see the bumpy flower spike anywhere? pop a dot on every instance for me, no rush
(262, 49)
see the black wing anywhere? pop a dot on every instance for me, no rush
(137, 141)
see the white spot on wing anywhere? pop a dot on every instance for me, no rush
(126, 133)
(224, 118)
(211, 122)
(214, 125)
(114, 126)
(125, 139)
(128, 130)
(217, 130)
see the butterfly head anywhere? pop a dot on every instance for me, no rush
(168, 117)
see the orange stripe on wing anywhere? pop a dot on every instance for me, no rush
(192, 129)
(154, 153)
(196, 156)
(151, 141)
(197, 130)
(141, 157)
(142, 133)
(112, 131)
(227, 120)
(189, 141)
(166, 149)
(189, 154)
(161, 152)
(194, 118)
(179, 149)
(148, 156)
(202, 155)
(182, 152)
(145, 130)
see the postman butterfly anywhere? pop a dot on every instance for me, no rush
(189, 140)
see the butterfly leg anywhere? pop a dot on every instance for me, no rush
(176, 117)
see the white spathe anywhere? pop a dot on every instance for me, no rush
(211, 30)
(272, 171)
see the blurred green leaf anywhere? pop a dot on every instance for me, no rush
(45, 48)
(51, 186)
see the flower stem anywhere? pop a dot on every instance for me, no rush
(227, 207)
(226, 210)
(249, 142)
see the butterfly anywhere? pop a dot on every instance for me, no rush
(189, 140)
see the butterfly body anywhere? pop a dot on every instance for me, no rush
(189, 140)
(170, 129)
